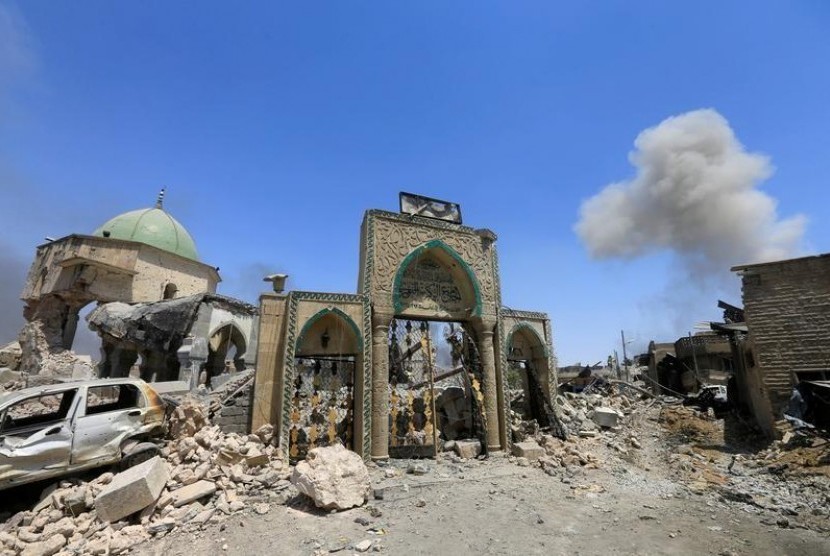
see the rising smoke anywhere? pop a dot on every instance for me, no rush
(696, 194)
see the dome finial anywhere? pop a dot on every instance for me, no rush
(160, 198)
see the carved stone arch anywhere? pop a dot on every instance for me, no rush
(333, 312)
(462, 275)
(524, 327)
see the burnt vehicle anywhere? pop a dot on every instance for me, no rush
(61, 429)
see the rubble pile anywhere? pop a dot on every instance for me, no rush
(582, 414)
(205, 475)
(563, 454)
(788, 478)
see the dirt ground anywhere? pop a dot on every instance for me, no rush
(685, 490)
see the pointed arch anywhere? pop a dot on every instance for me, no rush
(335, 312)
(521, 327)
(439, 248)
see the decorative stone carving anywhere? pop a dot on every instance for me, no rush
(394, 238)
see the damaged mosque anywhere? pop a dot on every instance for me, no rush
(418, 356)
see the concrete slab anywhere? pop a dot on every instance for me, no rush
(606, 417)
(467, 449)
(132, 490)
(191, 493)
(529, 450)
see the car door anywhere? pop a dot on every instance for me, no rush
(111, 414)
(36, 437)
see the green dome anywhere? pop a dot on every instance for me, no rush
(152, 226)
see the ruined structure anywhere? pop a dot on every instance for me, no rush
(157, 308)
(785, 342)
(417, 357)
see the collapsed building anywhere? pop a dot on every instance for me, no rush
(690, 362)
(157, 312)
(415, 358)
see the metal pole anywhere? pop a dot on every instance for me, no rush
(435, 420)
(625, 357)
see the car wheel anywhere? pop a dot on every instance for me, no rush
(141, 452)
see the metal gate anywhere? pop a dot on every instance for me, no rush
(322, 409)
(435, 379)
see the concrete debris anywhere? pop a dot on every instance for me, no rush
(334, 477)
(132, 490)
(192, 492)
(202, 476)
(467, 449)
(188, 418)
(530, 450)
(605, 417)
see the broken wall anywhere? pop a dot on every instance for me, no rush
(787, 308)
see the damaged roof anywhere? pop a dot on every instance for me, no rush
(161, 325)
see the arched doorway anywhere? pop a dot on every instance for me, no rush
(435, 372)
(226, 351)
(527, 362)
(323, 399)
(435, 387)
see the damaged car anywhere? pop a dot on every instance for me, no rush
(61, 429)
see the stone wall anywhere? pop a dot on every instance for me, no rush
(235, 413)
(787, 306)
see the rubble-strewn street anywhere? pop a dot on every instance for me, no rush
(663, 481)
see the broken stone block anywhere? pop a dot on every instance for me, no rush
(132, 490)
(45, 548)
(257, 460)
(7, 375)
(605, 417)
(191, 493)
(467, 449)
(529, 450)
(334, 477)
(76, 502)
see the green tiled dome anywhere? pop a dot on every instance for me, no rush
(152, 226)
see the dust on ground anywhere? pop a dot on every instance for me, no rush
(669, 480)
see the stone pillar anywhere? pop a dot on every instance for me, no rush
(491, 394)
(380, 386)
(69, 329)
(192, 355)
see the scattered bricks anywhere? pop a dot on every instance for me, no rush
(467, 449)
(190, 493)
(605, 417)
(132, 490)
(45, 548)
(529, 450)
(257, 460)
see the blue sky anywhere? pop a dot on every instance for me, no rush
(275, 125)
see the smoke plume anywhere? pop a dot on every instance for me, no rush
(696, 193)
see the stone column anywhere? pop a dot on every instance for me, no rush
(491, 394)
(380, 386)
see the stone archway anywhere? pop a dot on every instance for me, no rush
(322, 405)
(227, 340)
(433, 284)
(527, 363)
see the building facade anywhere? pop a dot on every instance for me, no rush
(787, 312)
(415, 357)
